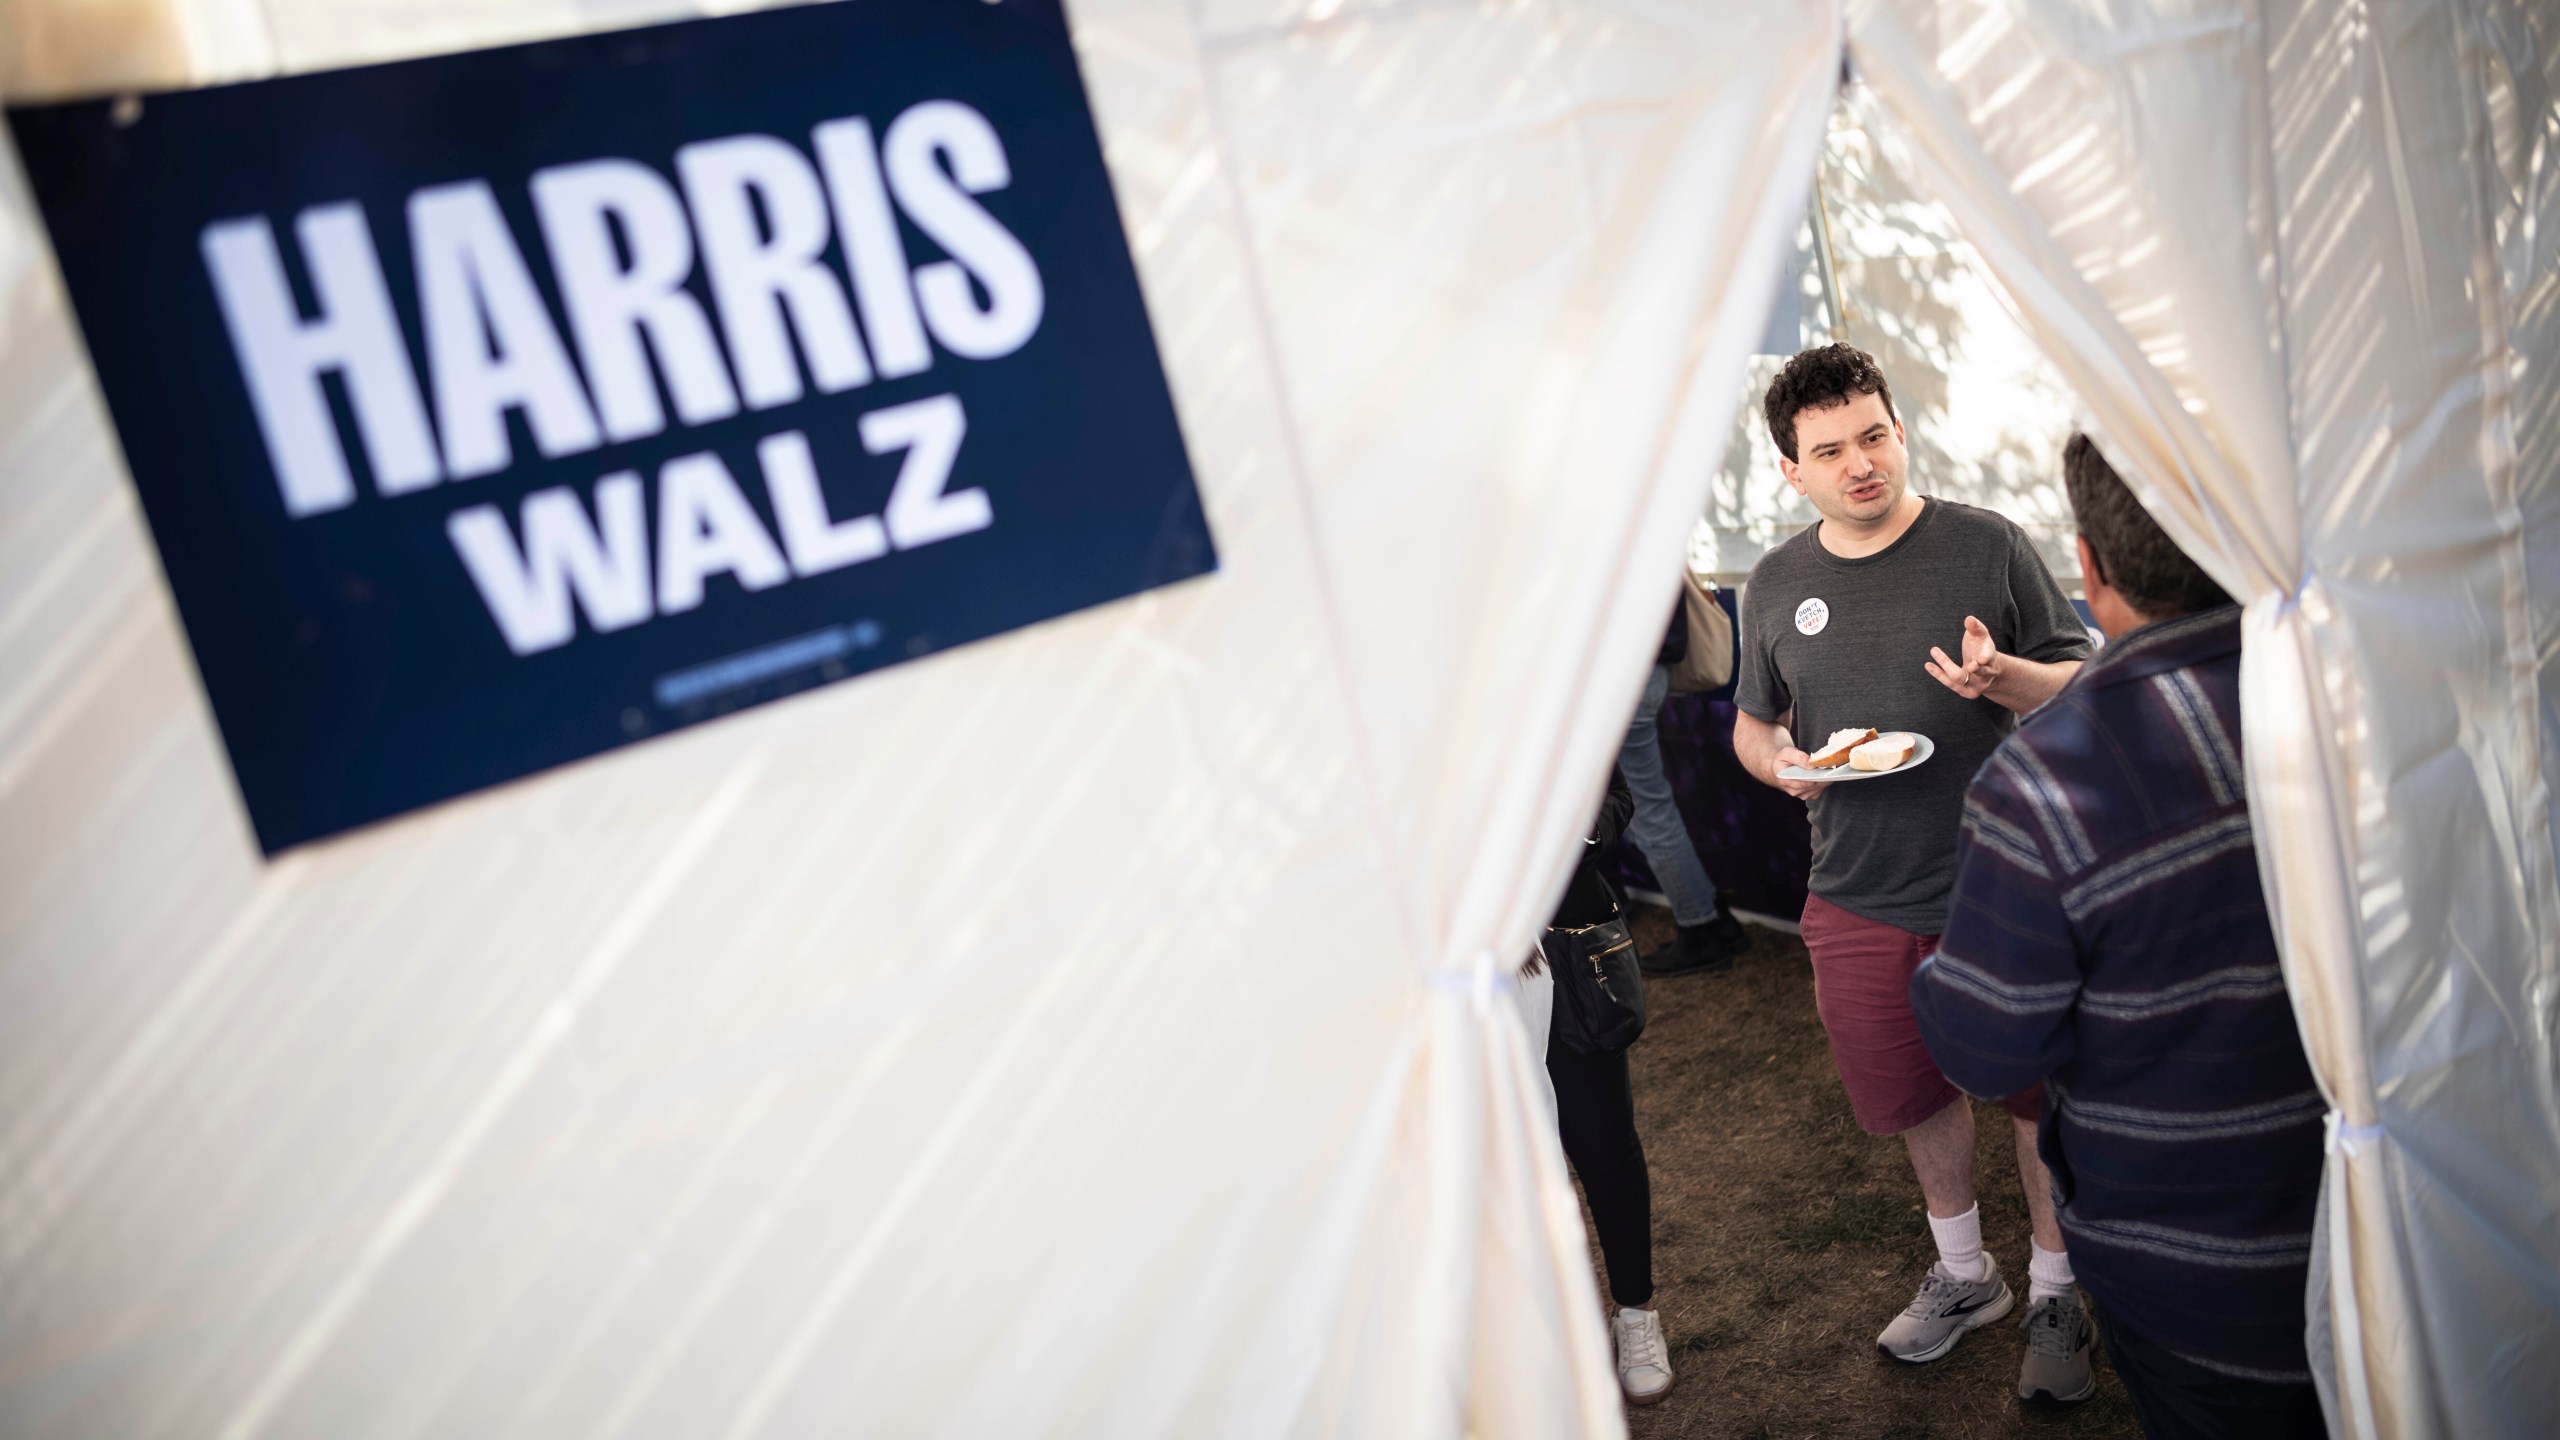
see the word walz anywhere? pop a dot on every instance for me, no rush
(622, 242)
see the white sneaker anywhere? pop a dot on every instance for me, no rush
(1644, 1362)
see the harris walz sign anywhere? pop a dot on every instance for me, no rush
(496, 409)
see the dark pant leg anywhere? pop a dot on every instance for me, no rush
(2177, 1399)
(1596, 1113)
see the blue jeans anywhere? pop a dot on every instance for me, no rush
(1656, 826)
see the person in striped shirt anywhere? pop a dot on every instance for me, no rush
(2108, 937)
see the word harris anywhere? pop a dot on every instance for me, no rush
(756, 213)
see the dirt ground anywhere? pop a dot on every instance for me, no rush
(1785, 1237)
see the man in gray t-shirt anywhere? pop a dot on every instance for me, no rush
(1843, 642)
(1846, 627)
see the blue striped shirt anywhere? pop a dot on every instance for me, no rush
(2109, 937)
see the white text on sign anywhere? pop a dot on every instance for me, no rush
(622, 241)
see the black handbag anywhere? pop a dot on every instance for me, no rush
(1599, 990)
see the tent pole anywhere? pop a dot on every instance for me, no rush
(1830, 270)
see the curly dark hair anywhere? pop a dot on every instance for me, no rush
(1818, 379)
(2134, 554)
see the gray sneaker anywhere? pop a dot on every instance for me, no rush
(2060, 1342)
(1945, 1308)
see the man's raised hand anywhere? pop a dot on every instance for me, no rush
(1981, 668)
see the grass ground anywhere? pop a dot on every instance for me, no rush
(1785, 1237)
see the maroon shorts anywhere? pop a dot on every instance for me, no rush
(1862, 990)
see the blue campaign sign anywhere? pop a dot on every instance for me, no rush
(497, 409)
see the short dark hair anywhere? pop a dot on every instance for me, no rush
(2134, 555)
(1818, 379)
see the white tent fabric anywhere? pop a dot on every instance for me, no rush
(2302, 261)
(1114, 999)
(1091, 1031)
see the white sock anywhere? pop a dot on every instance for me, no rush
(1960, 1245)
(2049, 1274)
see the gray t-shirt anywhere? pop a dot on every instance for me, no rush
(1846, 643)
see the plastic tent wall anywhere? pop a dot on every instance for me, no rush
(1984, 413)
(1088, 1031)
(2298, 256)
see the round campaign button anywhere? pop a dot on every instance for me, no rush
(1811, 616)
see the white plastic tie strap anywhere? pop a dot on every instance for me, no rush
(1475, 981)
(2351, 1138)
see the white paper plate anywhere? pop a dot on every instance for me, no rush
(1919, 756)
